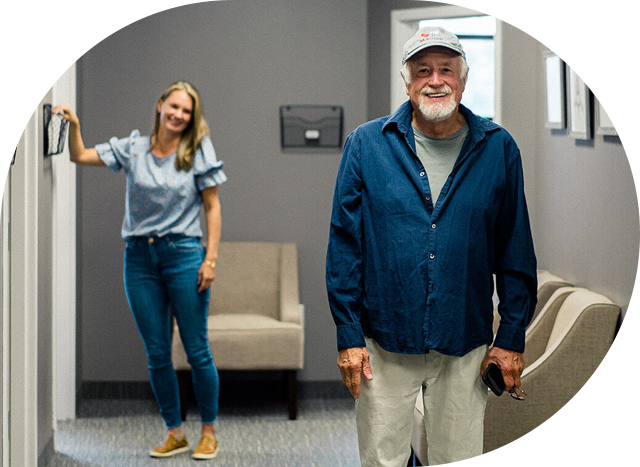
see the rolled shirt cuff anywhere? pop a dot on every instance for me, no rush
(510, 337)
(349, 336)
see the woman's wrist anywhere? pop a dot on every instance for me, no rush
(210, 263)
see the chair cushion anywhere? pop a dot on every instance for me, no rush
(247, 279)
(250, 342)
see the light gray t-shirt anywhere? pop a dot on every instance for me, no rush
(438, 155)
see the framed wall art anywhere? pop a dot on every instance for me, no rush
(607, 88)
(555, 87)
(580, 104)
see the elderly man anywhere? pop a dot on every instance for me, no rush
(429, 204)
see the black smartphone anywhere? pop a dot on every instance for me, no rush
(492, 377)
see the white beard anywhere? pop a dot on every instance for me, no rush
(437, 112)
(440, 111)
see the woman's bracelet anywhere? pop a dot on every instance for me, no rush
(211, 264)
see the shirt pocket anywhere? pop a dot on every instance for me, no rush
(186, 244)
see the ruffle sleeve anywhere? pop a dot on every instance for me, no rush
(207, 169)
(116, 154)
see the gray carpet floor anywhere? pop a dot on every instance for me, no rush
(121, 433)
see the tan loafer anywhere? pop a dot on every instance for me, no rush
(207, 449)
(171, 447)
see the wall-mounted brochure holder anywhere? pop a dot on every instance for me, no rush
(304, 126)
(9, 133)
(55, 131)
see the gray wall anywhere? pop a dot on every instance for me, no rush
(247, 58)
(587, 226)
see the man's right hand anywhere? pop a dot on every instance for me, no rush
(352, 362)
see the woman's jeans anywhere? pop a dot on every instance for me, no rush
(162, 273)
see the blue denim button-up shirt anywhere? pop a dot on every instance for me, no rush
(419, 277)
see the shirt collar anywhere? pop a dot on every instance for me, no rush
(478, 126)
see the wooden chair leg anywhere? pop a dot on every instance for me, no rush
(292, 389)
(186, 389)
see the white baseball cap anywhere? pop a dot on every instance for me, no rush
(431, 37)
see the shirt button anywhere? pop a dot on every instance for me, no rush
(151, 240)
(422, 174)
(433, 226)
(432, 256)
(428, 198)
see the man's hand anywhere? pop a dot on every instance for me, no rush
(352, 362)
(510, 363)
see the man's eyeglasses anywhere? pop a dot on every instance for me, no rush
(518, 394)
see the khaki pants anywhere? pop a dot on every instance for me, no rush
(454, 401)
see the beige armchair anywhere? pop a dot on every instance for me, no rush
(255, 317)
(562, 421)
(582, 333)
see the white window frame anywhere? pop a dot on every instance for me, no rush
(404, 24)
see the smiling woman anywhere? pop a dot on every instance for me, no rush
(175, 112)
(179, 120)
(170, 175)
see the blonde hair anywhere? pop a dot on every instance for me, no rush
(195, 131)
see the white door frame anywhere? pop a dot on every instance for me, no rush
(23, 329)
(64, 266)
(404, 24)
(6, 276)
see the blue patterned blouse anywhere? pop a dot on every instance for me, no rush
(160, 199)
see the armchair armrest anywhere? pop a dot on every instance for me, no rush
(540, 329)
(553, 379)
(289, 292)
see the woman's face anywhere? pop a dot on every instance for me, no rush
(176, 111)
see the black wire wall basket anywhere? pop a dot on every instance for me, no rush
(9, 133)
(55, 131)
(304, 126)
